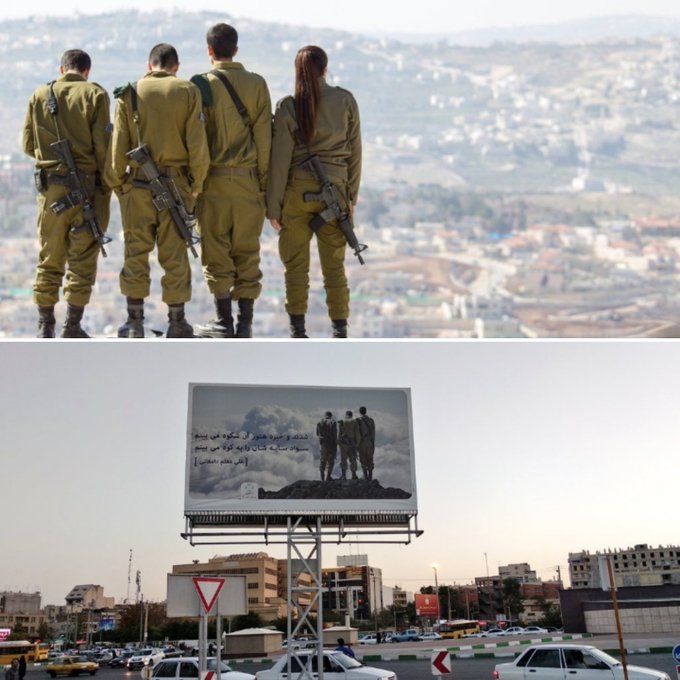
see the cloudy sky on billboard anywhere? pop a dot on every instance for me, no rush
(267, 436)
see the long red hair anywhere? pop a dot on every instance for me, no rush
(310, 65)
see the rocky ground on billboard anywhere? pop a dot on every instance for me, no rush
(335, 488)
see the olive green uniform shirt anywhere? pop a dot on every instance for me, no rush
(82, 118)
(170, 124)
(337, 142)
(231, 143)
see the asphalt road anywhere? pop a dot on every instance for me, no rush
(462, 669)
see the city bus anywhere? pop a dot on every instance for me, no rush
(458, 628)
(14, 649)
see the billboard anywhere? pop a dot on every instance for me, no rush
(426, 605)
(276, 450)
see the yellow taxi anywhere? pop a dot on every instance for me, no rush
(71, 665)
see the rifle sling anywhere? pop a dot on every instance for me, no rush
(243, 112)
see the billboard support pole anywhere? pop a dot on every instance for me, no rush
(304, 557)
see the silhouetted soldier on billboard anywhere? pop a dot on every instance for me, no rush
(366, 443)
(349, 436)
(327, 432)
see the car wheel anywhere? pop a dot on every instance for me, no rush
(52, 674)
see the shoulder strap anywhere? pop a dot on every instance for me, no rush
(243, 112)
(53, 107)
(134, 104)
(201, 82)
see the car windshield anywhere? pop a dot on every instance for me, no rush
(346, 661)
(212, 665)
(603, 656)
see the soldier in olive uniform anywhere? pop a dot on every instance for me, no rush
(164, 113)
(321, 120)
(367, 442)
(78, 113)
(349, 437)
(231, 208)
(327, 432)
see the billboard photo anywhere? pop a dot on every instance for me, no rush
(263, 449)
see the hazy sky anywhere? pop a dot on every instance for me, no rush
(427, 16)
(524, 452)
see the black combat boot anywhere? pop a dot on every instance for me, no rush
(134, 326)
(244, 327)
(71, 327)
(297, 326)
(178, 327)
(46, 322)
(222, 326)
(339, 328)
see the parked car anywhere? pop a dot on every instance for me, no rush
(71, 665)
(368, 639)
(431, 636)
(409, 635)
(585, 662)
(186, 668)
(514, 630)
(335, 665)
(535, 630)
(493, 632)
(144, 657)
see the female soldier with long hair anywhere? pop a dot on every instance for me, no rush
(324, 121)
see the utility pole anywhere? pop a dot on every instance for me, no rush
(127, 599)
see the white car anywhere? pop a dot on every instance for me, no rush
(336, 666)
(577, 662)
(515, 630)
(535, 630)
(186, 668)
(430, 636)
(144, 657)
(368, 639)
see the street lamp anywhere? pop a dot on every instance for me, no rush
(436, 590)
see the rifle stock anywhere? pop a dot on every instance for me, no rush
(333, 200)
(165, 195)
(78, 196)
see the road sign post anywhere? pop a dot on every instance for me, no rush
(208, 589)
(441, 663)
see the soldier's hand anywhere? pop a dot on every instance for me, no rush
(276, 224)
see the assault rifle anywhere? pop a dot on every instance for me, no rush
(331, 197)
(78, 195)
(165, 195)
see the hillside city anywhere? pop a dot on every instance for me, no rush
(512, 190)
(647, 579)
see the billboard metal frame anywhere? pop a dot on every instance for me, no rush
(203, 531)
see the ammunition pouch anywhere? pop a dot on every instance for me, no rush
(40, 180)
(71, 200)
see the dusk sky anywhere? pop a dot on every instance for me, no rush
(524, 452)
(427, 16)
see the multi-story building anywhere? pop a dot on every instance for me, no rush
(353, 587)
(400, 598)
(20, 612)
(520, 572)
(19, 602)
(266, 580)
(636, 566)
(87, 597)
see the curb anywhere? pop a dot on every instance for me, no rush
(490, 651)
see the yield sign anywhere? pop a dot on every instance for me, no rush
(441, 663)
(208, 590)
